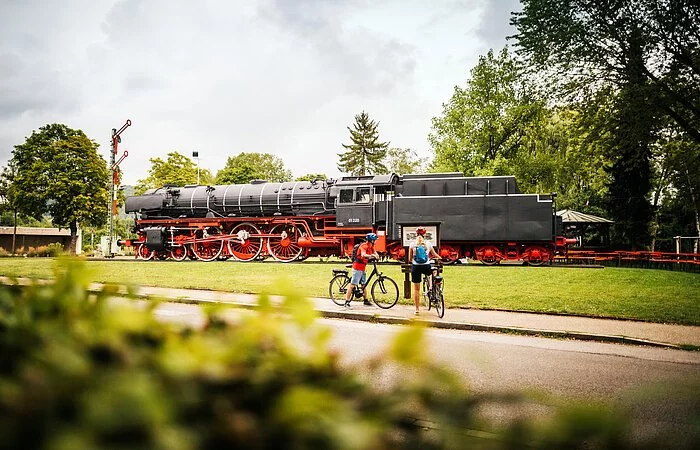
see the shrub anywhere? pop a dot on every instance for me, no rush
(36, 251)
(80, 372)
(54, 249)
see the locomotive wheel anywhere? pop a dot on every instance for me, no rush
(244, 247)
(145, 253)
(284, 248)
(179, 253)
(537, 255)
(210, 249)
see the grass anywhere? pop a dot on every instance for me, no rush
(643, 294)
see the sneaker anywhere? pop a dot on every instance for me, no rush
(367, 303)
(347, 304)
(417, 313)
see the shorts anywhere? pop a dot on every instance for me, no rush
(417, 270)
(358, 277)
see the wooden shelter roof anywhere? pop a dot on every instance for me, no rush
(569, 216)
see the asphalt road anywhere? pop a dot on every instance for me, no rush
(658, 388)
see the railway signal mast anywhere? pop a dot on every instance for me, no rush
(114, 183)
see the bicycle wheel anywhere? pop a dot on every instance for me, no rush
(385, 292)
(338, 287)
(439, 301)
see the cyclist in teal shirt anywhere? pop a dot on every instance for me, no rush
(420, 268)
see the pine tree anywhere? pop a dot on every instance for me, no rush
(365, 154)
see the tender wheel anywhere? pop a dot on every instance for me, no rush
(179, 253)
(206, 246)
(385, 292)
(488, 255)
(537, 255)
(439, 301)
(338, 288)
(449, 254)
(284, 246)
(396, 252)
(243, 247)
(145, 253)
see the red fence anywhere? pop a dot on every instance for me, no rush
(687, 262)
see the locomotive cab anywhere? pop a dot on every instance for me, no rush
(363, 202)
(354, 207)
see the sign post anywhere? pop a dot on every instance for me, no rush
(408, 237)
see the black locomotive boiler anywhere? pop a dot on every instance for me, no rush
(486, 218)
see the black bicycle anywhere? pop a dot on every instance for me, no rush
(432, 289)
(384, 291)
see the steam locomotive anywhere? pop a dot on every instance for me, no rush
(486, 218)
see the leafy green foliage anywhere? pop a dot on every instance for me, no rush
(365, 154)
(8, 195)
(676, 189)
(405, 160)
(312, 177)
(583, 46)
(483, 125)
(177, 169)
(245, 167)
(78, 371)
(57, 171)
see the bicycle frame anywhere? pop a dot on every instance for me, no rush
(362, 287)
(435, 270)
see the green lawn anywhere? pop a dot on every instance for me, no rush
(651, 295)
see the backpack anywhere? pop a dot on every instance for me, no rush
(355, 249)
(421, 254)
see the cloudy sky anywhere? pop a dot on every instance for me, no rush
(222, 77)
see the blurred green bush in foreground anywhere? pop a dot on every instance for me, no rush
(78, 371)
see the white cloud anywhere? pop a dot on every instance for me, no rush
(278, 76)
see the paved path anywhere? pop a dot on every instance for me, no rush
(609, 330)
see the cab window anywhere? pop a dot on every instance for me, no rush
(362, 195)
(346, 196)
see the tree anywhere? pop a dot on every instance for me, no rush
(405, 160)
(245, 167)
(576, 135)
(177, 169)
(591, 44)
(676, 199)
(364, 156)
(484, 124)
(647, 54)
(8, 198)
(59, 172)
(312, 177)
